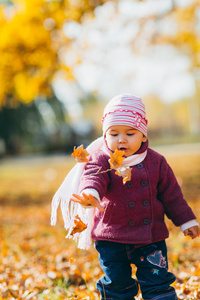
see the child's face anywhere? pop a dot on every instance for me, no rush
(124, 138)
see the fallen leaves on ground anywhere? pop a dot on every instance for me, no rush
(39, 263)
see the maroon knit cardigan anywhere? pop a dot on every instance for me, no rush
(134, 212)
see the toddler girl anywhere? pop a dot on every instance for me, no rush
(126, 220)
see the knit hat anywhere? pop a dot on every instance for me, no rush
(125, 109)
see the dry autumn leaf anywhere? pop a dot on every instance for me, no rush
(116, 159)
(125, 172)
(80, 154)
(79, 226)
(71, 260)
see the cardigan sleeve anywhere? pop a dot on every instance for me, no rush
(96, 174)
(189, 225)
(170, 194)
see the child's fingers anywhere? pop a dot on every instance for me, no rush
(77, 196)
(95, 202)
(78, 199)
(75, 200)
(98, 205)
(87, 200)
(198, 231)
(193, 232)
(84, 199)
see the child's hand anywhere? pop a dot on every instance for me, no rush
(193, 232)
(87, 200)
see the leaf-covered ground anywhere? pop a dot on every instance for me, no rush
(37, 262)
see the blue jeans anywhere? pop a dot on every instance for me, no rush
(152, 271)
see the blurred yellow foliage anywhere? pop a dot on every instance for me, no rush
(30, 40)
(187, 34)
(32, 43)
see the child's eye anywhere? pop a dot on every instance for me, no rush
(129, 134)
(114, 134)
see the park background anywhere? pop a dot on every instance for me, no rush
(60, 62)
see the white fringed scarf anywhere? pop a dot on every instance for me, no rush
(70, 186)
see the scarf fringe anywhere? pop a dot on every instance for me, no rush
(71, 209)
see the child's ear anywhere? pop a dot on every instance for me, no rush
(144, 139)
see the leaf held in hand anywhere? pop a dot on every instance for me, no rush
(116, 159)
(80, 154)
(125, 172)
(79, 226)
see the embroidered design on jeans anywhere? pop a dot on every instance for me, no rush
(156, 258)
(155, 271)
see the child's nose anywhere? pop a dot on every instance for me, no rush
(122, 139)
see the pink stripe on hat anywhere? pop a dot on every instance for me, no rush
(126, 110)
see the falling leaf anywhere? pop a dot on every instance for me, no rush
(116, 159)
(125, 172)
(79, 226)
(80, 154)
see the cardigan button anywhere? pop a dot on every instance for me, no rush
(145, 202)
(132, 223)
(146, 221)
(131, 204)
(143, 183)
(140, 166)
(129, 184)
